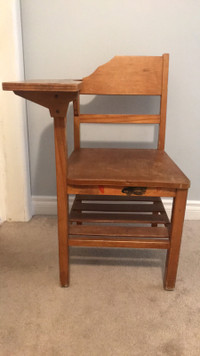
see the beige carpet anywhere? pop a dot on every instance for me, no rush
(115, 304)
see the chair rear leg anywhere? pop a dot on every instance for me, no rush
(155, 213)
(178, 213)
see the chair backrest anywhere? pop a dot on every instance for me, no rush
(127, 75)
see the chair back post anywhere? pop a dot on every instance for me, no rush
(163, 103)
(76, 107)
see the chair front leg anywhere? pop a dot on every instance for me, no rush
(62, 197)
(178, 213)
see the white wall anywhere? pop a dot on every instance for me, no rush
(14, 168)
(69, 39)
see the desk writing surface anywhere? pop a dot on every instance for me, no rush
(63, 85)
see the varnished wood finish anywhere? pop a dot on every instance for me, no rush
(85, 210)
(62, 201)
(155, 212)
(65, 85)
(118, 236)
(130, 208)
(163, 103)
(76, 105)
(119, 119)
(107, 212)
(56, 102)
(126, 75)
(97, 176)
(124, 167)
(119, 231)
(113, 190)
(116, 217)
(123, 242)
(113, 198)
(175, 239)
(55, 95)
(119, 204)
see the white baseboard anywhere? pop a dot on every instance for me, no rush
(44, 205)
(47, 205)
(192, 208)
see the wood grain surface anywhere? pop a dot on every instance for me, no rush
(126, 75)
(66, 85)
(104, 166)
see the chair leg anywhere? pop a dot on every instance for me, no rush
(178, 213)
(63, 243)
(79, 211)
(154, 213)
(62, 198)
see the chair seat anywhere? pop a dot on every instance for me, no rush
(125, 167)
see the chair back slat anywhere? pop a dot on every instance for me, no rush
(118, 119)
(126, 76)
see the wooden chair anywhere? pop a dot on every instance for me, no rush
(115, 189)
(104, 178)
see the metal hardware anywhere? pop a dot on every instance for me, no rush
(134, 190)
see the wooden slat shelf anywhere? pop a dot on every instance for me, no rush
(120, 218)
(117, 231)
(126, 243)
(109, 210)
(118, 207)
(89, 212)
(118, 236)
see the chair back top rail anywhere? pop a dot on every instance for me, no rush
(126, 75)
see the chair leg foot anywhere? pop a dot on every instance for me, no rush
(169, 289)
(63, 252)
(64, 273)
(65, 285)
(169, 285)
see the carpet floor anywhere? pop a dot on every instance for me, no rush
(115, 304)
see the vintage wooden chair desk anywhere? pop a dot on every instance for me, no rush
(103, 179)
